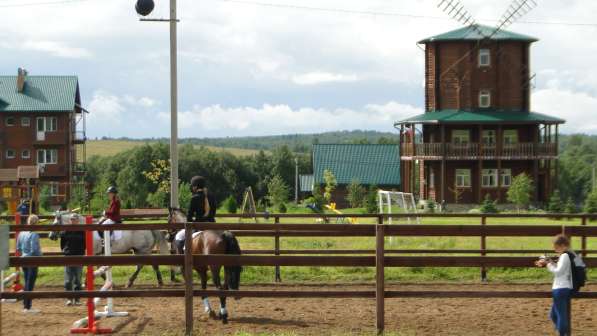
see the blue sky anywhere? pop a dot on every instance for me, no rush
(247, 69)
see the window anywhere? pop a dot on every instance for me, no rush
(432, 179)
(9, 121)
(25, 154)
(10, 153)
(47, 124)
(489, 178)
(488, 137)
(510, 137)
(506, 176)
(484, 99)
(47, 156)
(463, 178)
(484, 58)
(54, 189)
(25, 121)
(460, 137)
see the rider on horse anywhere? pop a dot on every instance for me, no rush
(202, 208)
(112, 214)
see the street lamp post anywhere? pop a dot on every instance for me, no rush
(144, 8)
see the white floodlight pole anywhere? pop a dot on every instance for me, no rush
(173, 108)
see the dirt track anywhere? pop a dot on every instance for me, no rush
(321, 316)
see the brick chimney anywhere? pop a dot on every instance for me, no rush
(21, 78)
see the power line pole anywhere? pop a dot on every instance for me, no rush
(144, 8)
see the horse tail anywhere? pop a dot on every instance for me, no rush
(160, 241)
(232, 246)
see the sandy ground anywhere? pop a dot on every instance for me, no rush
(165, 316)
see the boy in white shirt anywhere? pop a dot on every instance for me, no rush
(562, 284)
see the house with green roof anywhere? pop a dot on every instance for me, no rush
(42, 128)
(369, 164)
(478, 130)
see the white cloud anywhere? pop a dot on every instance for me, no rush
(578, 108)
(105, 107)
(314, 78)
(57, 49)
(217, 120)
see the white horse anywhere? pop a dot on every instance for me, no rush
(140, 242)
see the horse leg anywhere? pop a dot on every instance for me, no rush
(207, 307)
(215, 272)
(134, 276)
(158, 274)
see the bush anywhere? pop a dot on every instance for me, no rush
(371, 205)
(230, 204)
(316, 201)
(330, 185)
(277, 190)
(488, 206)
(570, 206)
(430, 206)
(282, 208)
(356, 194)
(555, 203)
(591, 202)
(520, 190)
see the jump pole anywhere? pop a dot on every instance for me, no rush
(17, 287)
(92, 325)
(109, 309)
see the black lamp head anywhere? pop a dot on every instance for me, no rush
(144, 7)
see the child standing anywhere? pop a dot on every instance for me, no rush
(28, 245)
(562, 284)
(72, 243)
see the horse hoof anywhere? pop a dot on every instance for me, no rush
(224, 319)
(212, 315)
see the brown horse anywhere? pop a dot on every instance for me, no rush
(211, 242)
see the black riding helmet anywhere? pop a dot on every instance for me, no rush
(198, 181)
(112, 189)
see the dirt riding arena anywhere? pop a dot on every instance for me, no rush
(165, 316)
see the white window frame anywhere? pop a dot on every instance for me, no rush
(25, 122)
(28, 156)
(14, 121)
(10, 156)
(510, 137)
(484, 99)
(462, 178)
(54, 189)
(484, 55)
(459, 135)
(487, 135)
(50, 124)
(506, 177)
(50, 156)
(489, 178)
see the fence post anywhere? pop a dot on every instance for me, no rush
(483, 247)
(379, 275)
(188, 279)
(583, 241)
(278, 277)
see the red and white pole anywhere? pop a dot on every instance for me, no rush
(92, 327)
(17, 287)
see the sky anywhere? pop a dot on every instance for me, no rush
(265, 67)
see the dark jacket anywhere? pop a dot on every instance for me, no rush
(197, 208)
(72, 243)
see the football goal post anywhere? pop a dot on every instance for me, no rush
(392, 202)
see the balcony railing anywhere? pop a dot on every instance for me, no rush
(475, 150)
(51, 138)
(53, 170)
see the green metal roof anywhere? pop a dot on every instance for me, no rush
(369, 164)
(306, 183)
(478, 32)
(482, 116)
(40, 94)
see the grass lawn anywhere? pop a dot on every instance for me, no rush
(113, 147)
(54, 276)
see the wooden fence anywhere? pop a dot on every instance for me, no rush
(380, 260)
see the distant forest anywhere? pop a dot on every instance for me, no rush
(298, 143)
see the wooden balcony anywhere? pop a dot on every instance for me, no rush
(474, 151)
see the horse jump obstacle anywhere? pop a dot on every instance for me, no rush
(89, 324)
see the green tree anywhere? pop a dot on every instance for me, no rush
(555, 203)
(330, 184)
(520, 191)
(591, 203)
(45, 198)
(184, 194)
(488, 205)
(371, 205)
(230, 204)
(356, 194)
(277, 190)
(283, 164)
(570, 206)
